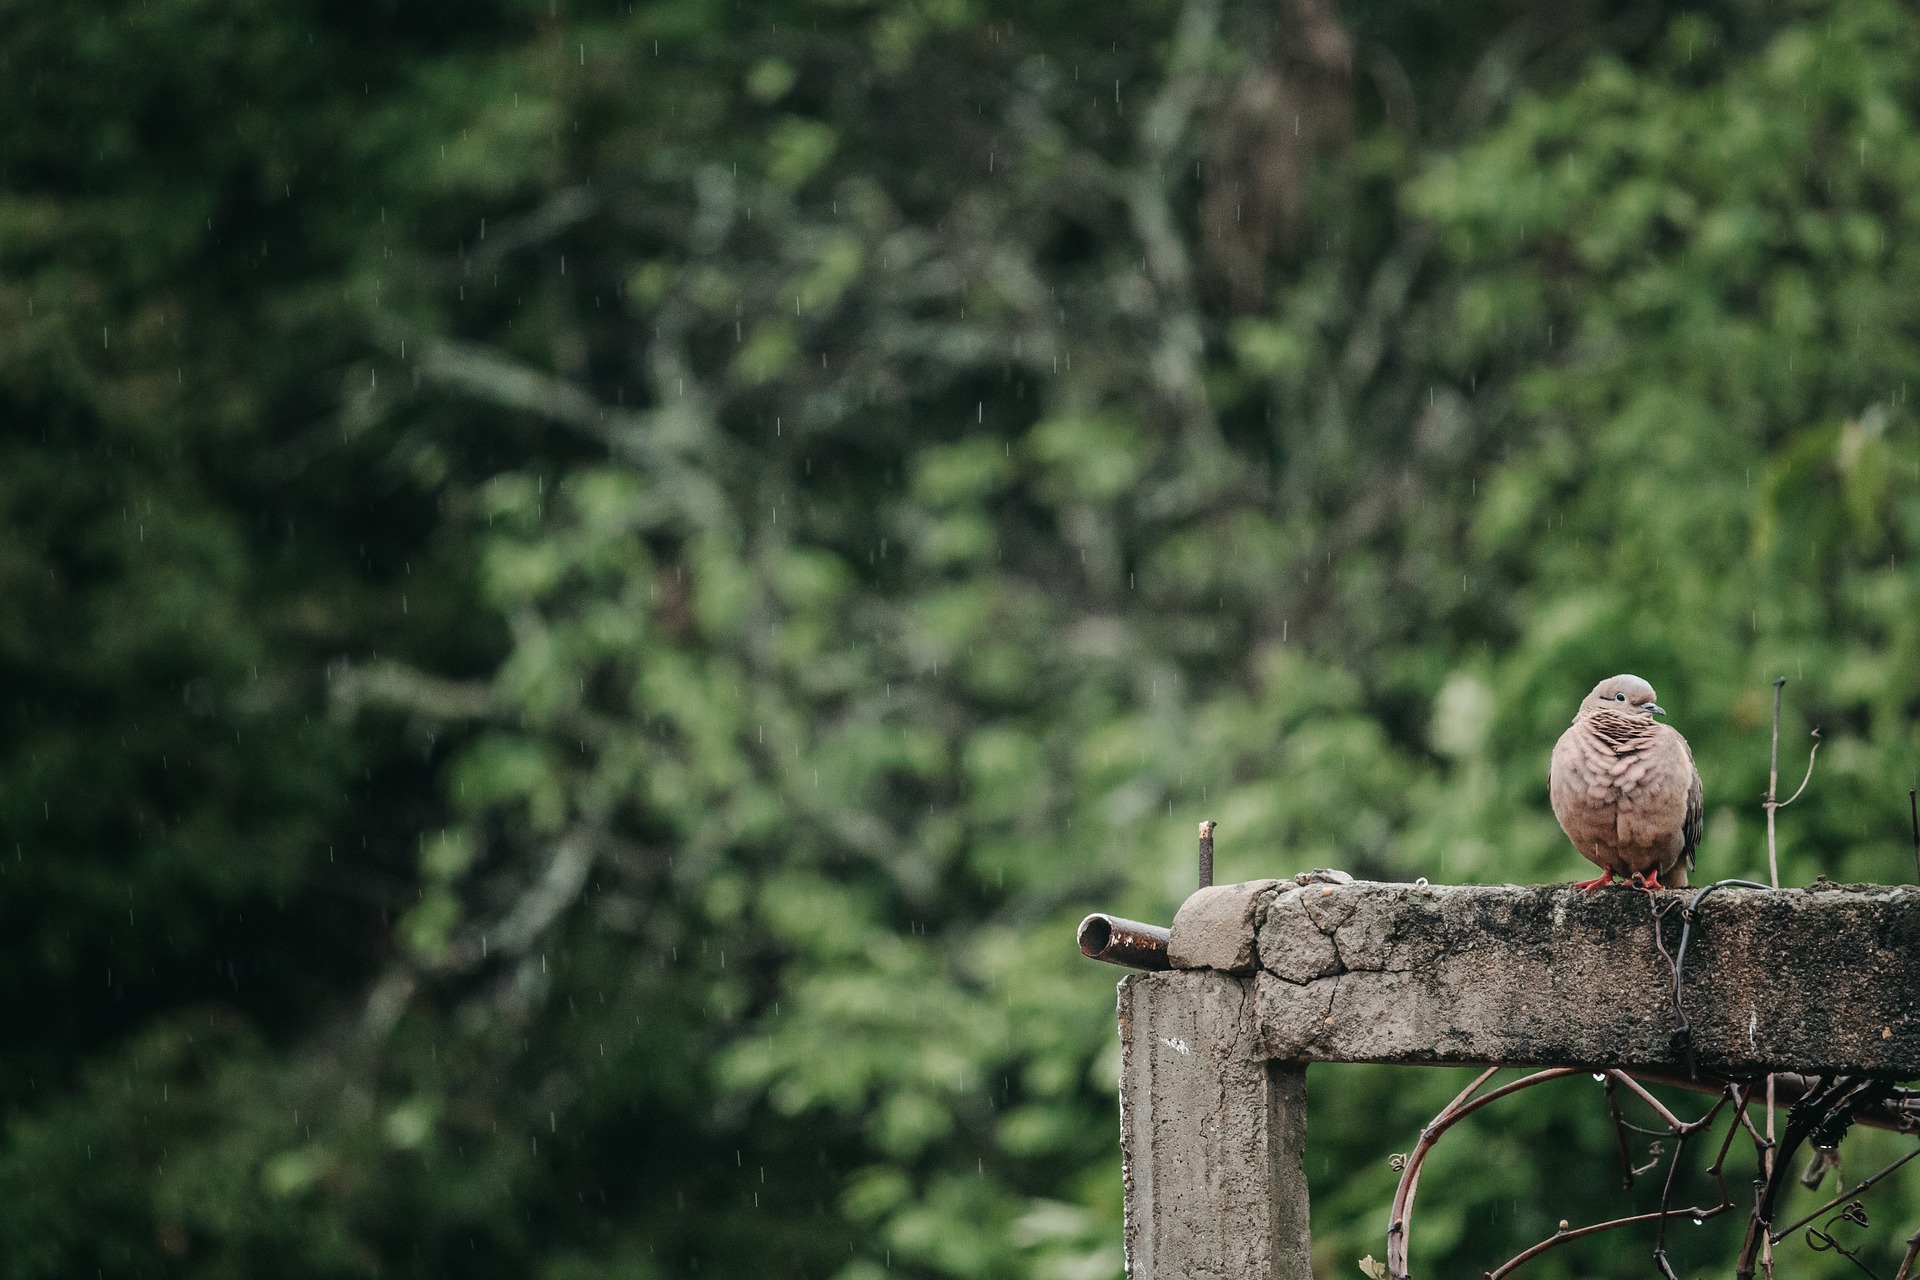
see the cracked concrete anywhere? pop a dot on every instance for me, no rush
(1814, 980)
(1272, 975)
(1215, 927)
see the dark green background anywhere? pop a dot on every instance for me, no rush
(587, 592)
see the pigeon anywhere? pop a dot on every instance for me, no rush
(1625, 789)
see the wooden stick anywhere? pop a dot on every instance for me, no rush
(1913, 806)
(1773, 876)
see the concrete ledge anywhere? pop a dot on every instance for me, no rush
(1215, 927)
(1810, 980)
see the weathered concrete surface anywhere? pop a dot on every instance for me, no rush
(1215, 927)
(1272, 975)
(1810, 980)
(1213, 1137)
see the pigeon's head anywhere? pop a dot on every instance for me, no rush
(1623, 695)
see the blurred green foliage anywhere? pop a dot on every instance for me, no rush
(593, 589)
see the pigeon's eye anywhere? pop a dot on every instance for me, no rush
(1619, 697)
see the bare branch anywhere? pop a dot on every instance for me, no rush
(1698, 1212)
(1908, 1259)
(1811, 755)
(1823, 1110)
(490, 376)
(394, 684)
(1913, 810)
(1399, 1225)
(1844, 1196)
(1149, 194)
(1682, 1130)
(1773, 790)
(546, 898)
(567, 208)
(1673, 1122)
(1627, 1170)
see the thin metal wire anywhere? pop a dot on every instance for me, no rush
(1682, 1033)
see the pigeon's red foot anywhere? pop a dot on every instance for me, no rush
(1591, 885)
(1650, 881)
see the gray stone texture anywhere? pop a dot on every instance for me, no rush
(1810, 980)
(1212, 1136)
(1215, 927)
(1272, 975)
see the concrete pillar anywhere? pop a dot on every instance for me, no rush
(1213, 1138)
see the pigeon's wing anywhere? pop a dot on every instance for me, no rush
(1692, 825)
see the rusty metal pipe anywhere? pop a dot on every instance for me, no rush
(1124, 942)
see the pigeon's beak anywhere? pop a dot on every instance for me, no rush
(1655, 708)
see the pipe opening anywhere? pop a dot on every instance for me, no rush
(1124, 942)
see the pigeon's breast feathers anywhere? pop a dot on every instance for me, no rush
(1618, 733)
